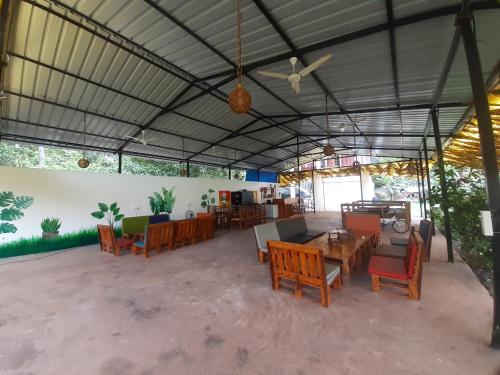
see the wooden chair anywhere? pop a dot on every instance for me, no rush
(257, 218)
(241, 218)
(156, 236)
(108, 241)
(364, 225)
(262, 213)
(303, 265)
(206, 226)
(185, 232)
(397, 272)
(250, 219)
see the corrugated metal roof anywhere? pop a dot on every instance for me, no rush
(125, 62)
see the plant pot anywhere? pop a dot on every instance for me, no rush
(47, 235)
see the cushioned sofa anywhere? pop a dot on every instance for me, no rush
(293, 230)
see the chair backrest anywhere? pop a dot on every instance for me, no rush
(250, 212)
(413, 255)
(107, 237)
(154, 236)
(362, 222)
(264, 233)
(185, 229)
(291, 227)
(242, 212)
(134, 224)
(425, 229)
(297, 262)
(262, 210)
(167, 233)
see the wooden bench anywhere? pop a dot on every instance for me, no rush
(364, 225)
(185, 232)
(156, 237)
(405, 273)
(303, 265)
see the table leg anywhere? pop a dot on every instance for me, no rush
(346, 272)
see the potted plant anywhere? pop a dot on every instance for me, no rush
(162, 203)
(50, 227)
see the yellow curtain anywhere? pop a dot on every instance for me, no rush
(464, 150)
(401, 168)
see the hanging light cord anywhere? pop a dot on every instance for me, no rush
(326, 115)
(239, 70)
(84, 132)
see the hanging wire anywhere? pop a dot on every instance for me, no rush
(239, 70)
(84, 132)
(326, 115)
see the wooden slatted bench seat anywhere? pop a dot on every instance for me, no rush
(303, 265)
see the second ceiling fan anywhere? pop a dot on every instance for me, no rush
(294, 77)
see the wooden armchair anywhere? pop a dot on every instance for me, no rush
(109, 243)
(206, 226)
(241, 218)
(405, 273)
(185, 232)
(302, 265)
(156, 237)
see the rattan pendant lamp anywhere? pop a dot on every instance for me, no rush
(240, 99)
(84, 162)
(328, 150)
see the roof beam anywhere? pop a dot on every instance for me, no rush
(394, 61)
(408, 20)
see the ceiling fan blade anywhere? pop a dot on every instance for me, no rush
(151, 139)
(137, 139)
(273, 74)
(315, 65)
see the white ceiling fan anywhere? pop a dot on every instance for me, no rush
(142, 139)
(294, 77)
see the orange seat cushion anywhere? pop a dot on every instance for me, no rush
(393, 268)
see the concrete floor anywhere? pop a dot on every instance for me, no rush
(210, 309)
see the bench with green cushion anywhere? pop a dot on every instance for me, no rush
(134, 224)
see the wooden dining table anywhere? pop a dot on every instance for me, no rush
(348, 253)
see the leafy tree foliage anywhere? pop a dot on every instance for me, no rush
(466, 197)
(32, 156)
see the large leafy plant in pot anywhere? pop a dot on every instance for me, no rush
(110, 213)
(162, 203)
(11, 209)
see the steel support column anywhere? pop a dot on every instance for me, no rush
(424, 195)
(442, 180)
(229, 172)
(298, 170)
(120, 157)
(419, 191)
(429, 189)
(488, 150)
(313, 194)
(188, 171)
(360, 183)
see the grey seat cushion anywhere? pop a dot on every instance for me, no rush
(291, 227)
(264, 233)
(391, 251)
(397, 241)
(331, 270)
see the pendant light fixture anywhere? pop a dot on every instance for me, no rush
(240, 99)
(84, 162)
(355, 163)
(328, 150)
(183, 172)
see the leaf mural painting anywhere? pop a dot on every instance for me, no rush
(11, 209)
(111, 213)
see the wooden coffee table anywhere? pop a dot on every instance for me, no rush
(349, 252)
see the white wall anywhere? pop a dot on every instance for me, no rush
(72, 196)
(332, 191)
